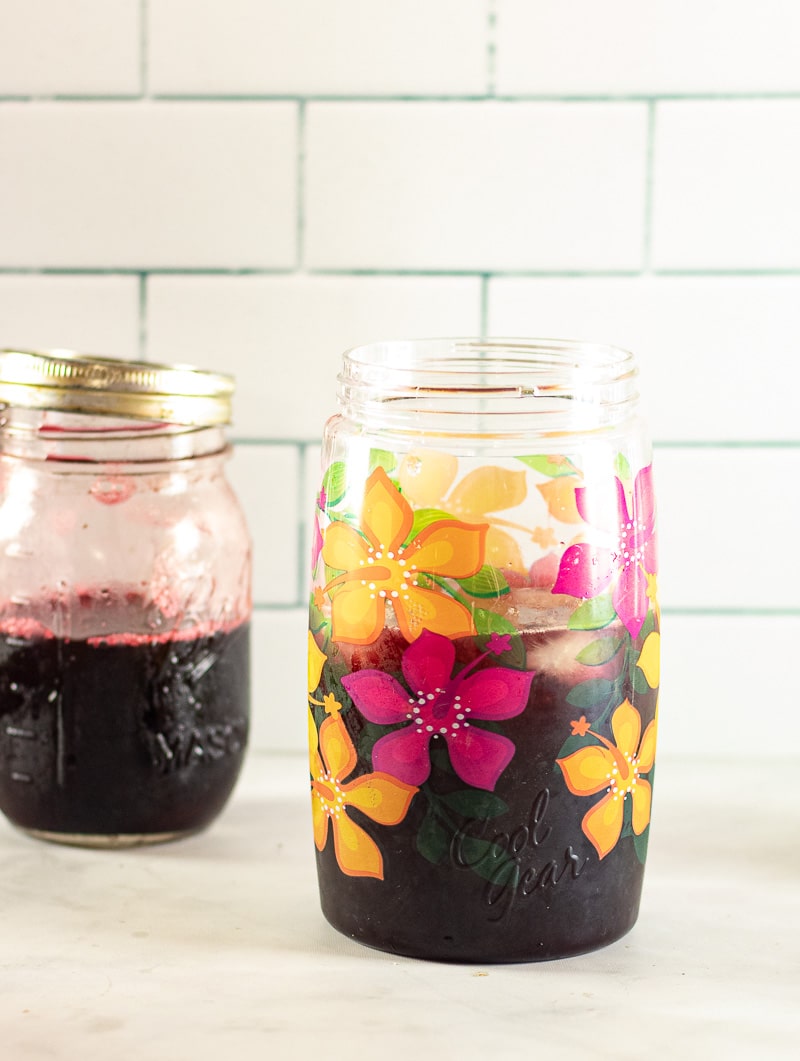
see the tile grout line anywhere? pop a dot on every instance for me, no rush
(484, 306)
(389, 272)
(144, 88)
(143, 293)
(144, 50)
(659, 444)
(491, 48)
(662, 444)
(300, 187)
(647, 236)
(730, 443)
(734, 611)
(294, 97)
(302, 544)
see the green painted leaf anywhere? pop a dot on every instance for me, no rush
(343, 517)
(548, 466)
(334, 483)
(319, 715)
(591, 693)
(572, 744)
(627, 820)
(623, 468)
(439, 757)
(330, 573)
(316, 619)
(368, 733)
(433, 842)
(489, 861)
(474, 803)
(423, 518)
(487, 622)
(599, 651)
(648, 626)
(488, 582)
(593, 614)
(640, 844)
(640, 682)
(382, 458)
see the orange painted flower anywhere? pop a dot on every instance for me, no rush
(559, 496)
(581, 727)
(382, 798)
(618, 769)
(426, 478)
(380, 566)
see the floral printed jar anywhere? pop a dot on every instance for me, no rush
(124, 600)
(483, 650)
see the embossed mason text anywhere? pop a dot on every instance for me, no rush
(507, 859)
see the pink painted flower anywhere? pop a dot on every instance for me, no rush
(439, 704)
(587, 569)
(316, 532)
(316, 542)
(499, 643)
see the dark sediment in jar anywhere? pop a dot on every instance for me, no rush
(119, 731)
(519, 882)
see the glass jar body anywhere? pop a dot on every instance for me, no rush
(124, 628)
(483, 656)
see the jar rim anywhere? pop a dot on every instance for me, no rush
(502, 354)
(501, 379)
(67, 381)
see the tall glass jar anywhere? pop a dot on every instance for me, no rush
(124, 600)
(483, 649)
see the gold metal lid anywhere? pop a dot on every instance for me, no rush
(70, 382)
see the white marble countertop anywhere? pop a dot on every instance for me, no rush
(215, 946)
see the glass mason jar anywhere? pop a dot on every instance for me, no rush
(124, 600)
(483, 649)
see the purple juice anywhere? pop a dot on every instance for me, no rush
(507, 875)
(119, 735)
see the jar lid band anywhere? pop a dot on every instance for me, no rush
(69, 382)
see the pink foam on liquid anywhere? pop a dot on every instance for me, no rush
(27, 628)
(166, 637)
(24, 627)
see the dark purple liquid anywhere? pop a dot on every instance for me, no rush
(125, 736)
(525, 884)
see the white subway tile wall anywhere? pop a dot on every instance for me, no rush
(284, 334)
(95, 313)
(725, 180)
(82, 48)
(256, 186)
(652, 47)
(475, 186)
(701, 342)
(309, 47)
(267, 483)
(148, 185)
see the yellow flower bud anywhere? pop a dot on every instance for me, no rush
(316, 661)
(649, 659)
